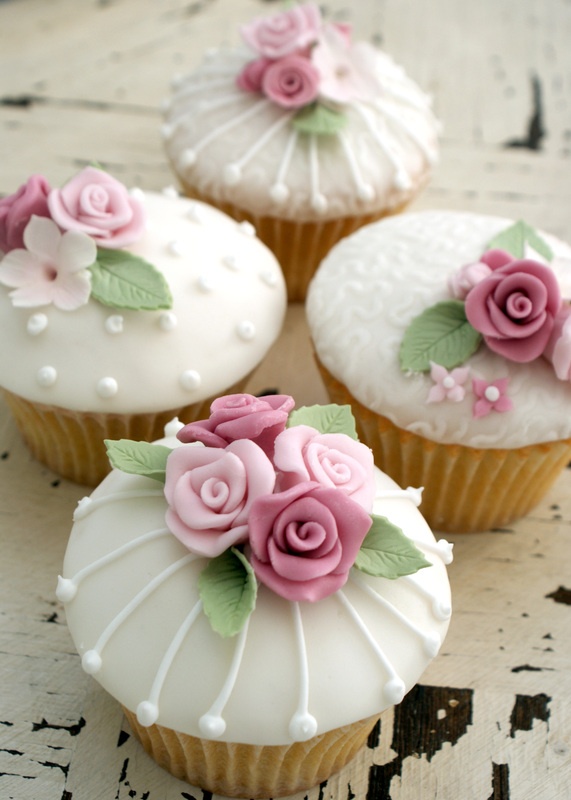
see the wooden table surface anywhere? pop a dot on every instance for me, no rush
(82, 81)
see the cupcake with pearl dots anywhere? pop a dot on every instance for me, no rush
(121, 309)
(303, 131)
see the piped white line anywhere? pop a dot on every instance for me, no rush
(303, 725)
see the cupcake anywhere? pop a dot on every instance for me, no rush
(119, 310)
(303, 132)
(450, 336)
(254, 592)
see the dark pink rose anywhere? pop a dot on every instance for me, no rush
(241, 416)
(283, 33)
(333, 460)
(251, 77)
(291, 82)
(210, 492)
(558, 350)
(514, 308)
(17, 209)
(96, 204)
(305, 540)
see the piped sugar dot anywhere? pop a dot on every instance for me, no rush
(402, 180)
(445, 549)
(319, 203)
(173, 427)
(175, 248)
(187, 159)
(247, 228)
(190, 380)
(166, 129)
(415, 494)
(46, 376)
(431, 643)
(114, 324)
(366, 192)
(167, 321)
(269, 278)
(211, 726)
(37, 324)
(137, 193)
(206, 283)
(170, 191)
(246, 330)
(193, 213)
(279, 193)
(441, 609)
(394, 690)
(232, 174)
(449, 382)
(91, 662)
(231, 262)
(107, 387)
(66, 589)
(82, 508)
(492, 394)
(147, 713)
(302, 726)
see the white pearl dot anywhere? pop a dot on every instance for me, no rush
(46, 376)
(211, 726)
(302, 727)
(91, 662)
(187, 159)
(402, 180)
(449, 382)
(66, 589)
(246, 330)
(231, 262)
(319, 203)
(82, 508)
(167, 321)
(232, 174)
(193, 213)
(247, 228)
(269, 278)
(446, 551)
(366, 192)
(206, 283)
(173, 427)
(492, 393)
(279, 193)
(394, 690)
(107, 387)
(190, 380)
(175, 248)
(167, 130)
(170, 191)
(137, 193)
(441, 609)
(114, 324)
(147, 713)
(36, 324)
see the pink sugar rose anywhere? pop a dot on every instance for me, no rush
(558, 350)
(241, 416)
(17, 209)
(514, 309)
(251, 77)
(490, 397)
(96, 204)
(284, 33)
(305, 540)
(335, 461)
(210, 492)
(291, 82)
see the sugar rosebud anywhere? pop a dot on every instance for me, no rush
(558, 350)
(291, 82)
(281, 34)
(17, 209)
(251, 77)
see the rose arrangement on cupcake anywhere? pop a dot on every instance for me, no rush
(64, 246)
(308, 66)
(507, 302)
(271, 494)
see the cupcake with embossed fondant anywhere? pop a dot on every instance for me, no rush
(254, 592)
(120, 310)
(303, 132)
(450, 335)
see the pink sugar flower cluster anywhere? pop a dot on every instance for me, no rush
(301, 60)
(49, 237)
(298, 500)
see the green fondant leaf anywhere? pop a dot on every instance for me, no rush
(122, 280)
(514, 239)
(326, 419)
(228, 588)
(441, 334)
(388, 553)
(319, 119)
(138, 458)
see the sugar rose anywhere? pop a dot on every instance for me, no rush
(291, 82)
(558, 350)
(241, 416)
(281, 34)
(99, 205)
(210, 491)
(333, 460)
(17, 209)
(514, 309)
(305, 540)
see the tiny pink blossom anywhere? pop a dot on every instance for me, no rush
(284, 33)
(347, 71)
(291, 82)
(447, 385)
(251, 77)
(558, 350)
(52, 268)
(490, 397)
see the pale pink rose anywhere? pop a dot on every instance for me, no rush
(284, 33)
(251, 77)
(333, 460)
(490, 396)
(96, 204)
(558, 350)
(17, 209)
(291, 82)
(241, 416)
(210, 492)
(52, 268)
(305, 540)
(347, 72)
(514, 309)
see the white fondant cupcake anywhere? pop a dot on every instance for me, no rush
(450, 335)
(119, 310)
(256, 613)
(304, 133)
